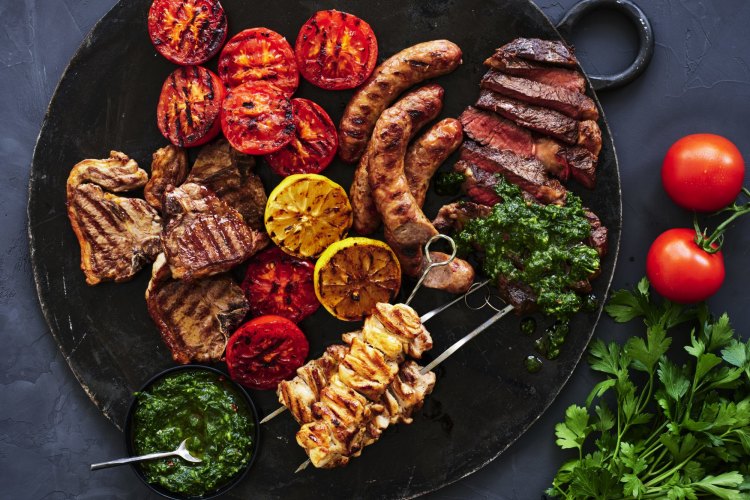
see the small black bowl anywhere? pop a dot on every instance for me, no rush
(129, 444)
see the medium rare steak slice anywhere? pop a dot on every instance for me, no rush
(544, 121)
(203, 235)
(168, 166)
(478, 184)
(550, 75)
(117, 235)
(527, 173)
(229, 174)
(574, 104)
(544, 51)
(519, 295)
(599, 233)
(195, 318)
(564, 161)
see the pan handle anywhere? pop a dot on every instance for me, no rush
(645, 36)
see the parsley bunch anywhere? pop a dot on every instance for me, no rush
(678, 431)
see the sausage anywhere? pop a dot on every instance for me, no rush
(406, 223)
(429, 152)
(423, 105)
(456, 277)
(396, 74)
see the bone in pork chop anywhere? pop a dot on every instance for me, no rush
(117, 235)
(168, 166)
(195, 318)
(203, 235)
(229, 174)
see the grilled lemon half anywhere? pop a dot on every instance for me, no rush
(354, 274)
(305, 213)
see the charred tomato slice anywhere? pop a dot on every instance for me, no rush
(314, 144)
(187, 32)
(264, 351)
(190, 105)
(336, 50)
(259, 55)
(277, 283)
(257, 118)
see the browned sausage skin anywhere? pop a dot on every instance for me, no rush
(396, 74)
(423, 105)
(455, 277)
(429, 152)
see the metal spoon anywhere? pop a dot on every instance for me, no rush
(181, 452)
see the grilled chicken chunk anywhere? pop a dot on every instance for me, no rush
(203, 236)
(229, 174)
(195, 318)
(117, 235)
(168, 167)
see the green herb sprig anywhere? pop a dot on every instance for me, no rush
(677, 431)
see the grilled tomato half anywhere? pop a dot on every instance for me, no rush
(190, 105)
(259, 55)
(187, 32)
(277, 283)
(257, 118)
(336, 50)
(314, 144)
(264, 351)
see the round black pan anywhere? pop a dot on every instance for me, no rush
(484, 398)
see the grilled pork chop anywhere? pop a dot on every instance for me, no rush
(117, 235)
(574, 104)
(195, 318)
(228, 173)
(203, 235)
(168, 166)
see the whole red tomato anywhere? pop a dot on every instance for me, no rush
(680, 270)
(703, 172)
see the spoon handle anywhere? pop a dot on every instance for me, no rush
(121, 461)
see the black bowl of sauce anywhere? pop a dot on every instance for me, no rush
(216, 415)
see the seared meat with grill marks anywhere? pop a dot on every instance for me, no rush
(539, 119)
(519, 295)
(478, 184)
(117, 235)
(203, 235)
(229, 174)
(455, 277)
(552, 52)
(453, 217)
(574, 104)
(590, 136)
(527, 173)
(599, 233)
(168, 167)
(195, 318)
(557, 77)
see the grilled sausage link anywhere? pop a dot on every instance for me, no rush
(396, 74)
(423, 105)
(429, 152)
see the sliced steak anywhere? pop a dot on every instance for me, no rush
(195, 318)
(542, 120)
(117, 235)
(590, 136)
(478, 184)
(203, 235)
(564, 161)
(558, 77)
(229, 174)
(599, 233)
(453, 217)
(544, 51)
(574, 104)
(519, 295)
(527, 173)
(169, 165)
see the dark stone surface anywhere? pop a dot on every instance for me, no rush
(49, 430)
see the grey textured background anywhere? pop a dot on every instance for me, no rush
(699, 81)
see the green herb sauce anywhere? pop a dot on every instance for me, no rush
(528, 326)
(204, 408)
(448, 183)
(532, 364)
(542, 246)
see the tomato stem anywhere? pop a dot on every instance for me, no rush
(712, 244)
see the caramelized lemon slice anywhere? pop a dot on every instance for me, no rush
(354, 274)
(306, 213)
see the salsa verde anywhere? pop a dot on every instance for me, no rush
(203, 407)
